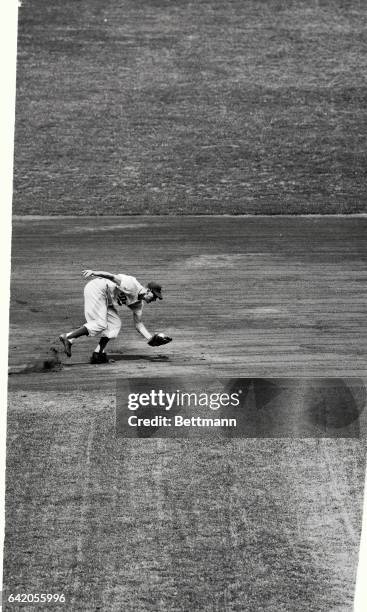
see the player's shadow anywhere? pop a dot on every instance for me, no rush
(135, 357)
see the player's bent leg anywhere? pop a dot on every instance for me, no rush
(99, 355)
(113, 324)
(67, 339)
(110, 332)
(102, 344)
(95, 327)
(67, 344)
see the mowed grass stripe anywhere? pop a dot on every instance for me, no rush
(170, 524)
(178, 108)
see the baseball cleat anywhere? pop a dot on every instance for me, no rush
(99, 358)
(67, 344)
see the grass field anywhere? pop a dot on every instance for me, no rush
(172, 525)
(166, 108)
(178, 107)
(164, 525)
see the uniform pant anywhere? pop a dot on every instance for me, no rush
(101, 317)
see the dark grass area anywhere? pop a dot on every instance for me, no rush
(175, 107)
(149, 525)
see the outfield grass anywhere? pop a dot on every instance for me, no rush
(175, 107)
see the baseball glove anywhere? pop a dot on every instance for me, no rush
(159, 339)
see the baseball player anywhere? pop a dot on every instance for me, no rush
(102, 297)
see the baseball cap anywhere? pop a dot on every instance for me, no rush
(156, 289)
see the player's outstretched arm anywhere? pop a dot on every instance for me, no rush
(139, 325)
(101, 274)
(157, 339)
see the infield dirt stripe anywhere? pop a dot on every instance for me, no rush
(246, 296)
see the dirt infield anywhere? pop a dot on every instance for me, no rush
(173, 525)
(242, 296)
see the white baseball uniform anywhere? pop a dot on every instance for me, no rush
(102, 298)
